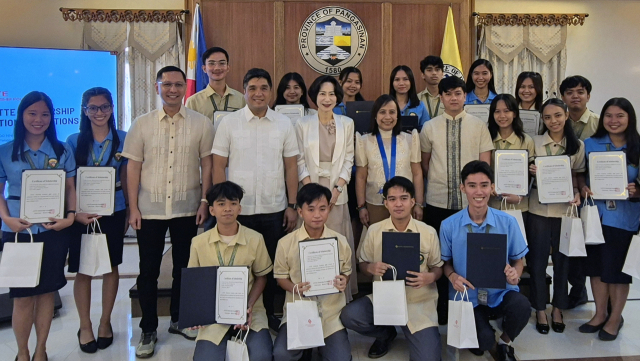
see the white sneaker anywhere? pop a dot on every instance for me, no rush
(185, 332)
(146, 346)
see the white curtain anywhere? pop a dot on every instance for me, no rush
(514, 49)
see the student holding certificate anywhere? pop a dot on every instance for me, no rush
(351, 81)
(35, 146)
(480, 88)
(313, 207)
(384, 153)
(620, 220)
(544, 220)
(292, 90)
(231, 244)
(402, 87)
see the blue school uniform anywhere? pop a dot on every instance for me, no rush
(420, 111)
(340, 109)
(473, 99)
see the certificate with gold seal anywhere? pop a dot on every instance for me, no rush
(608, 175)
(553, 179)
(95, 190)
(42, 195)
(512, 172)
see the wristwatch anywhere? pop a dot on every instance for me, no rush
(292, 206)
(340, 189)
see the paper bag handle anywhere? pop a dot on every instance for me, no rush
(503, 204)
(30, 235)
(395, 272)
(570, 213)
(295, 290)
(462, 294)
(93, 226)
(239, 336)
(593, 203)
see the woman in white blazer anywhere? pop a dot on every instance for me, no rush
(326, 148)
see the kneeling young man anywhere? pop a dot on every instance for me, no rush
(231, 244)
(477, 217)
(313, 207)
(422, 329)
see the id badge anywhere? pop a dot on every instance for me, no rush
(611, 205)
(482, 297)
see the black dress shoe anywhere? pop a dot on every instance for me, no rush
(606, 336)
(542, 328)
(587, 328)
(89, 347)
(505, 353)
(104, 342)
(381, 347)
(575, 301)
(558, 327)
(476, 351)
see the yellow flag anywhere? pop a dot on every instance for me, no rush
(450, 53)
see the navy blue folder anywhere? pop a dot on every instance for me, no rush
(486, 260)
(198, 296)
(360, 112)
(401, 250)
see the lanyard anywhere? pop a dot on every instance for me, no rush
(389, 168)
(578, 128)
(343, 109)
(233, 255)
(33, 166)
(104, 149)
(486, 230)
(431, 112)
(215, 106)
(548, 149)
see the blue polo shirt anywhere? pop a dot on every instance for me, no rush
(420, 111)
(627, 214)
(473, 99)
(11, 173)
(340, 109)
(72, 140)
(453, 245)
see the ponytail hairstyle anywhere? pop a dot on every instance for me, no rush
(573, 143)
(19, 131)
(85, 139)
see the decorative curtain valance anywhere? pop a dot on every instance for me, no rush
(507, 42)
(145, 16)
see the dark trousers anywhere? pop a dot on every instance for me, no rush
(270, 226)
(544, 236)
(577, 278)
(433, 216)
(150, 247)
(515, 310)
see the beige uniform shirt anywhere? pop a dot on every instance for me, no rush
(287, 265)
(251, 252)
(368, 155)
(578, 165)
(513, 142)
(421, 302)
(170, 149)
(586, 126)
(432, 103)
(452, 143)
(202, 101)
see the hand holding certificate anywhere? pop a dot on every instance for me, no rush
(231, 295)
(553, 178)
(95, 190)
(293, 111)
(319, 265)
(42, 195)
(608, 175)
(478, 110)
(512, 172)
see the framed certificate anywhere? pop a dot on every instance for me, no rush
(319, 265)
(232, 287)
(217, 117)
(42, 195)
(530, 121)
(293, 111)
(478, 110)
(608, 175)
(96, 190)
(554, 179)
(512, 172)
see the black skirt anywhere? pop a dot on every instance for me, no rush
(606, 260)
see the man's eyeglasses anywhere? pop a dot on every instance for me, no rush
(222, 63)
(92, 109)
(168, 86)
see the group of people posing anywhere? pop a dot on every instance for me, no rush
(260, 183)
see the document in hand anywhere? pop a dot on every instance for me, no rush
(360, 112)
(401, 250)
(198, 296)
(486, 260)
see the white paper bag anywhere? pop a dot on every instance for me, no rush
(571, 234)
(304, 326)
(94, 252)
(517, 214)
(20, 263)
(237, 348)
(591, 225)
(632, 262)
(390, 302)
(461, 327)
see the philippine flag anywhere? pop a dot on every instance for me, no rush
(196, 78)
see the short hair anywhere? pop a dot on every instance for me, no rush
(574, 81)
(213, 50)
(169, 69)
(225, 190)
(254, 73)
(450, 83)
(474, 167)
(311, 192)
(431, 60)
(383, 100)
(401, 182)
(314, 88)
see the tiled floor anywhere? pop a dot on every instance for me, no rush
(530, 345)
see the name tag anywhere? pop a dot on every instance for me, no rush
(483, 295)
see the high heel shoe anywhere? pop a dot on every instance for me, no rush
(542, 328)
(558, 326)
(104, 342)
(89, 347)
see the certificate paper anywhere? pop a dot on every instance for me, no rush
(217, 117)
(319, 265)
(479, 110)
(293, 111)
(554, 179)
(231, 295)
(512, 172)
(42, 195)
(530, 121)
(608, 175)
(95, 190)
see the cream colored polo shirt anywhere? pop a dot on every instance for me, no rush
(513, 142)
(287, 265)
(421, 302)
(452, 143)
(578, 165)
(170, 149)
(368, 155)
(202, 101)
(586, 126)
(432, 103)
(251, 252)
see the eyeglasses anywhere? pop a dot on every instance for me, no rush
(92, 109)
(222, 63)
(168, 86)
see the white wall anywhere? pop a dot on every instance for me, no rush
(606, 49)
